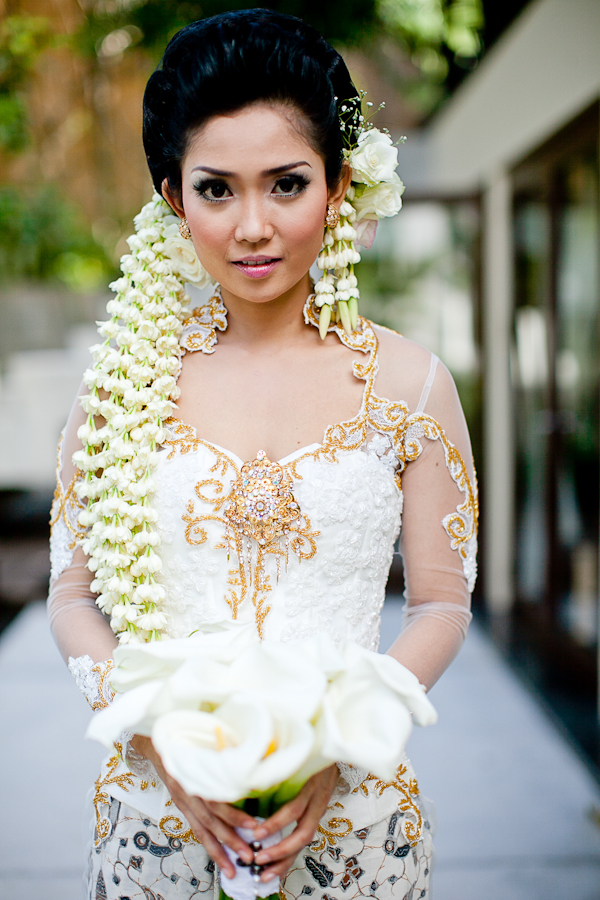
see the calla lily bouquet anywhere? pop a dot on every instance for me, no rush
(239, 720)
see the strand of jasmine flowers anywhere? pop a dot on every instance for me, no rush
(136, 367)
(374, 193)
(339, 286)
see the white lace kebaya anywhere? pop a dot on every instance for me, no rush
(386, 466)
(348, 490)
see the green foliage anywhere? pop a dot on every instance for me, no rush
(111, 27)
(42, 237)
(432, 31)
(22, 38)
(436, 35)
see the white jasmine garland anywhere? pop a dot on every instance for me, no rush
(133, 385)
(375, 192)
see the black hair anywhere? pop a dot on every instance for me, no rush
(223, 63)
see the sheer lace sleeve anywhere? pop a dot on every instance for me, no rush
(439, 528)
(79, 628)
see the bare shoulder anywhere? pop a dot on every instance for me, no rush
(404, 367)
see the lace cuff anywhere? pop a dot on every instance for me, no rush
(92, 680)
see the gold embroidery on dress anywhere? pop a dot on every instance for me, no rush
(412, 827)
(285, 520)
(337, 829)
(392, 418)
(173, 827)
(376, 416)
(261, 503)
(106, 695)
(66, 505)
(203, 323)
(146, 785)
(461, 525)
(124, 780)
(262, 509)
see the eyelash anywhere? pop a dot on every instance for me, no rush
(201, 187)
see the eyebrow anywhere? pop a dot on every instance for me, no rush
(276, 171)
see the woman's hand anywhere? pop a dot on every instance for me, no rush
(213, 823)
(306, 810)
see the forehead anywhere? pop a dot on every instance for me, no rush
(262, 136)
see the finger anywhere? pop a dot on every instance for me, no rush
(290, 845)
(279, 869)
(202, 819)
(225, 834)
(217, 854)
(235, 817)
(288, 813)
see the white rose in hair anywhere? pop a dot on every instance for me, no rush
(183, 255)
(374, 159)
(379, 202)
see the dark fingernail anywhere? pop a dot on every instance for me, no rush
(255, 869)
(256, 846)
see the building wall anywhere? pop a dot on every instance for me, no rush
(541, 73)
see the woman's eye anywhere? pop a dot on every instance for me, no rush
(290, 185)
(213, 190)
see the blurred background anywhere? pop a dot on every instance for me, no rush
(492, 264)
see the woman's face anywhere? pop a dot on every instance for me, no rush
(255, 197)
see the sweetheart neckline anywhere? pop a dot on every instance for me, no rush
(280, 462)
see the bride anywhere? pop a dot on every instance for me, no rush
(256, 140)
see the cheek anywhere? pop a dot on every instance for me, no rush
(305, 229)
(209, 233)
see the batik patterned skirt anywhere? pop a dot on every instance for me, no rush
(138, 858)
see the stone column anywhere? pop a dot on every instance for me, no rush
(499, 450)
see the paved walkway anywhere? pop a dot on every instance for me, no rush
(513, 798)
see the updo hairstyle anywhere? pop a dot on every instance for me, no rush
(223, 63)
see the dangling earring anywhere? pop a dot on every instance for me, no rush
(332, 219)
(184, 229)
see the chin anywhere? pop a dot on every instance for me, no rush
(261, 290)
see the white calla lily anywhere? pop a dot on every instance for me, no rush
(283, 677)
(136, 711)
(221, 642)
(290, 749)
(212, 754)
(366, 713)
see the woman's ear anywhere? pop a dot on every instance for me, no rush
(173, 200)
(337, 193)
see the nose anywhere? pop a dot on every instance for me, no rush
(254, 225)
